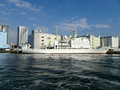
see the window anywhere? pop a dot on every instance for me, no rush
(49, 38)
(42, 43)
(42, 40)
(42, 37)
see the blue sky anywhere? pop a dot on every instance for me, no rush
(97, 17)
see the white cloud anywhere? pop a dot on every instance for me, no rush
(110, 20)
(32, 18)
(74, 18)
(101, 26)
(81, 24)
(119, 20)
(42, 28)
(24, 4)
(5, 13)
(22, 13)
(2, 5)
(4, 19)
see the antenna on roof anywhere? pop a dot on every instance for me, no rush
(57, 32)
(75, 32)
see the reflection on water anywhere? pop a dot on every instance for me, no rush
(46, 71)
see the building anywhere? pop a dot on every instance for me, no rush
(22, 37)
(94, 41)
(119, 43)
(75, 42)
(4, 36)
(5, 28)
(80, 42)
(42, 40)
(110, 41)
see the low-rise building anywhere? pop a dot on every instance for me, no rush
(110, 41)
(42, 40)
(94, 41)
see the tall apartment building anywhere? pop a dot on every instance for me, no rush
(4, 36)
(110, 41)
(42, 40)
(94, 41)
(22, 37)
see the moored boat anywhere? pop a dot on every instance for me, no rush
(65, 51)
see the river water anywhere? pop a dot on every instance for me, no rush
(59, 72)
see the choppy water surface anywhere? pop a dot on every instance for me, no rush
(59, 72)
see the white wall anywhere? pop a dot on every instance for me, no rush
(81, 42)
(115, 42)
(38, 42)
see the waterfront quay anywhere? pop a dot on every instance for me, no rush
(11, 51)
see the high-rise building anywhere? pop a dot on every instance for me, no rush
(22, 37)
(4, 36)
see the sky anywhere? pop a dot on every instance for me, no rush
(96, 17)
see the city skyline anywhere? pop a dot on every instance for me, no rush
(87, 16)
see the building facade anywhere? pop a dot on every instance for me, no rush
(119, 43)
(42, 40)
(80, 42)
(4, 36)
(75, 42)
(110, 41)
(22, 37)
(94, 41)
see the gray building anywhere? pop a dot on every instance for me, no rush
(22, 35)
(110, 41)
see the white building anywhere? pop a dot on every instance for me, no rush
(110, 41)
(42, 40)
(80, 42)
(76, 42)
(22, 37)
(94, 41)
(119, 43)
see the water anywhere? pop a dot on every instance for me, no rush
(59, 72)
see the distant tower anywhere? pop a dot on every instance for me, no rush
(22, 35)
(75, 32)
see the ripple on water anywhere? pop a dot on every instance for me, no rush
(59, 72)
